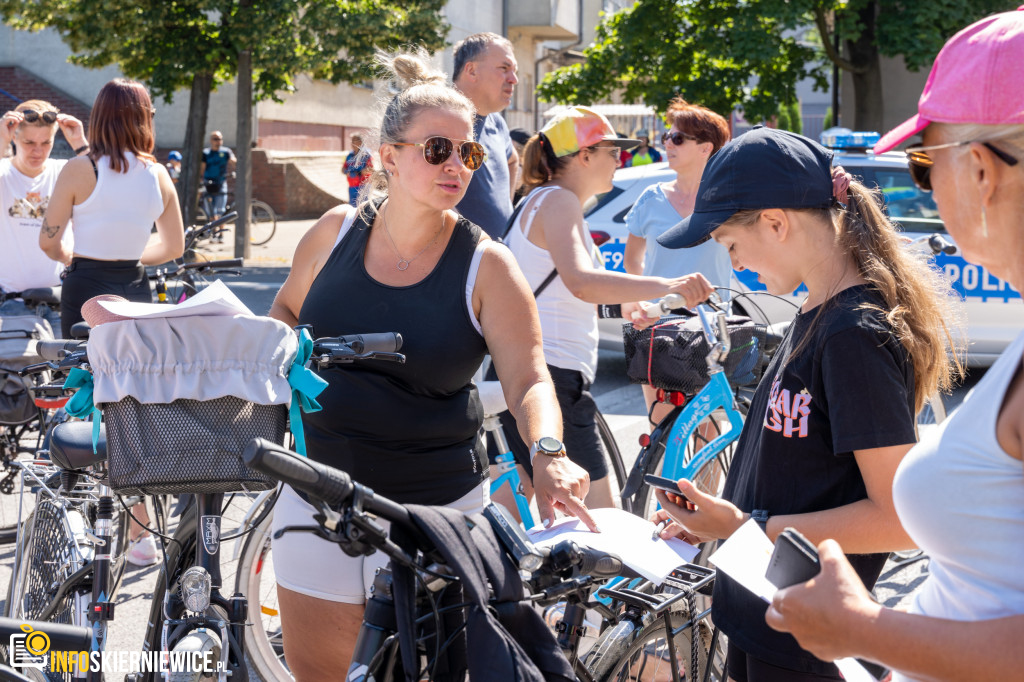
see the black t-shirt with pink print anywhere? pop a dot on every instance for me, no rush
(850, 386)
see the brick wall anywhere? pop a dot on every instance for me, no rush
(282, 182)
(24, 86)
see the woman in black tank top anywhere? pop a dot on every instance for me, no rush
(408, 263)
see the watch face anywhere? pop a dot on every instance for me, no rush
(549, 444)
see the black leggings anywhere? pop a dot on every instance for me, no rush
(86, 278)
(745, 668)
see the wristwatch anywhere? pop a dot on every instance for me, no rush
(552, 447)
(761, 517)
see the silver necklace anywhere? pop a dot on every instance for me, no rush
(403, 263)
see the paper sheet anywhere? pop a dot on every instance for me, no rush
(744, 557)
(216, 299)
(625, 535)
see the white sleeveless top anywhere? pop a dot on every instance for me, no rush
(569, 325)
(115, 221)
(961, 498)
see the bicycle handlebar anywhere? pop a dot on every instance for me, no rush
(330, 485)
(62, 637)
(55, 350)
(213, 264)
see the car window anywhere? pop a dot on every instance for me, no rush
(908, 206)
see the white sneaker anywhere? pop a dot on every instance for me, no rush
(143, 552)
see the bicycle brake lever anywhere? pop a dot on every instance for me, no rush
(36, 368)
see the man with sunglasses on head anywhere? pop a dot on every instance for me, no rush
(485, 72)
(27, 179)
(218, 161)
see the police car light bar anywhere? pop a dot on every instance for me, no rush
(844, 138)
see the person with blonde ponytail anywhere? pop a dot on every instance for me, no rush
(835, 413)
(570, 160)
(405, 261)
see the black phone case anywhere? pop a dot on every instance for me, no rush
(794, 560)
(661, 482)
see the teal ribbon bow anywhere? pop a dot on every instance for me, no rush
(306, 386)
(81, 404)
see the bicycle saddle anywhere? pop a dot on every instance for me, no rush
(71, 446)
(44, 295)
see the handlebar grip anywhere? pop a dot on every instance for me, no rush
(62, 637)
(599, 564)
(315, 479)
(54, 350)
(226, 218)
(227, 263)
(380, 342)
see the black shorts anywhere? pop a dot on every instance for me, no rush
(86, 278)
(580, 436)
(745, 668)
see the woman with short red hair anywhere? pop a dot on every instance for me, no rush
(115, 194)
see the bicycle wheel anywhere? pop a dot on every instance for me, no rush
(264, 645)
(617, 468)
(262, 222)
(627, 653)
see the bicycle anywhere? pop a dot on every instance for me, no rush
(262, 218)
(676, 447)
(255, 578)
(566, 572)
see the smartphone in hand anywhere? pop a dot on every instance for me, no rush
(669, 486)
(794, 560)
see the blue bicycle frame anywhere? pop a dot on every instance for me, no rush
(506, 466)
(717, 394)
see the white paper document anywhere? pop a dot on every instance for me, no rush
(625, 535)
(744, 557)
(216, 299)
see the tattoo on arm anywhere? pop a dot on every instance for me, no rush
(50, 230)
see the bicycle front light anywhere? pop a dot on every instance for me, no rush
(195, 589)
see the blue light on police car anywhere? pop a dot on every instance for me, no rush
(844, 138)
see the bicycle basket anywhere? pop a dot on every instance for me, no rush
(672, 355)
(187, 446)
(18, 336)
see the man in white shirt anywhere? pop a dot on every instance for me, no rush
(27, 180)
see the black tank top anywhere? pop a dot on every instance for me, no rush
(409, 431)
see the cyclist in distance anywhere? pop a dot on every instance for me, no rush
(835, 413)
(695, 133)
(570, 160)
(405, 261)
(114, 194)
(27, 180)
(960, 491)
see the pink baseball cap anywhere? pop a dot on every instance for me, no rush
(976, 78)
(576, 128)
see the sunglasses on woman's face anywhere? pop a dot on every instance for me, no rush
(437, 150)
(677, 137)
(920, 163)
(31, 115)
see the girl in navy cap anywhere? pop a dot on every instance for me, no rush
(835, 412)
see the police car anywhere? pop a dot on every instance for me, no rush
(993, 310)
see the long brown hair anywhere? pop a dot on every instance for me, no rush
(122, 121)
(918, 300)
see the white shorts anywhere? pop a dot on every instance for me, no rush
(310, 565)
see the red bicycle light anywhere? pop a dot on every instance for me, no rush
(645, 440)
(677, 398)
(599, 237)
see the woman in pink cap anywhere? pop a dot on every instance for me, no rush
(569, 161)
(960, 492)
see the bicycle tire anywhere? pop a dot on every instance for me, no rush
(628, 651)
(264, 647)
(618, 467)
(262, 222)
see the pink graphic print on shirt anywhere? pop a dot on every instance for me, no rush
(787, 412)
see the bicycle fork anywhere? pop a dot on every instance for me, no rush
(101, 609)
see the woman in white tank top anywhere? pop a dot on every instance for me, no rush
(115, 194)
(960, 492)
(573, 158)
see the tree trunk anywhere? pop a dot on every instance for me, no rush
(195, 132)
(243, 152)
(868, 105)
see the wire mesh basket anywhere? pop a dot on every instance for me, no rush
(672, 354)
(188, 446)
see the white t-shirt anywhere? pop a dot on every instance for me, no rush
(23, 202)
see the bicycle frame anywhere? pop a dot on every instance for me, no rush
(717, 394)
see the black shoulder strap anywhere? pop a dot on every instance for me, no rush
(95, 170)
(512, 220)
(544, 285)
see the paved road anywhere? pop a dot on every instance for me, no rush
(620, 402)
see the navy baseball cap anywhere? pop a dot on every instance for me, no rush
(764, 168)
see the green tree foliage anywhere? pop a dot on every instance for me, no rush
(194, 44)
(751, 53)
